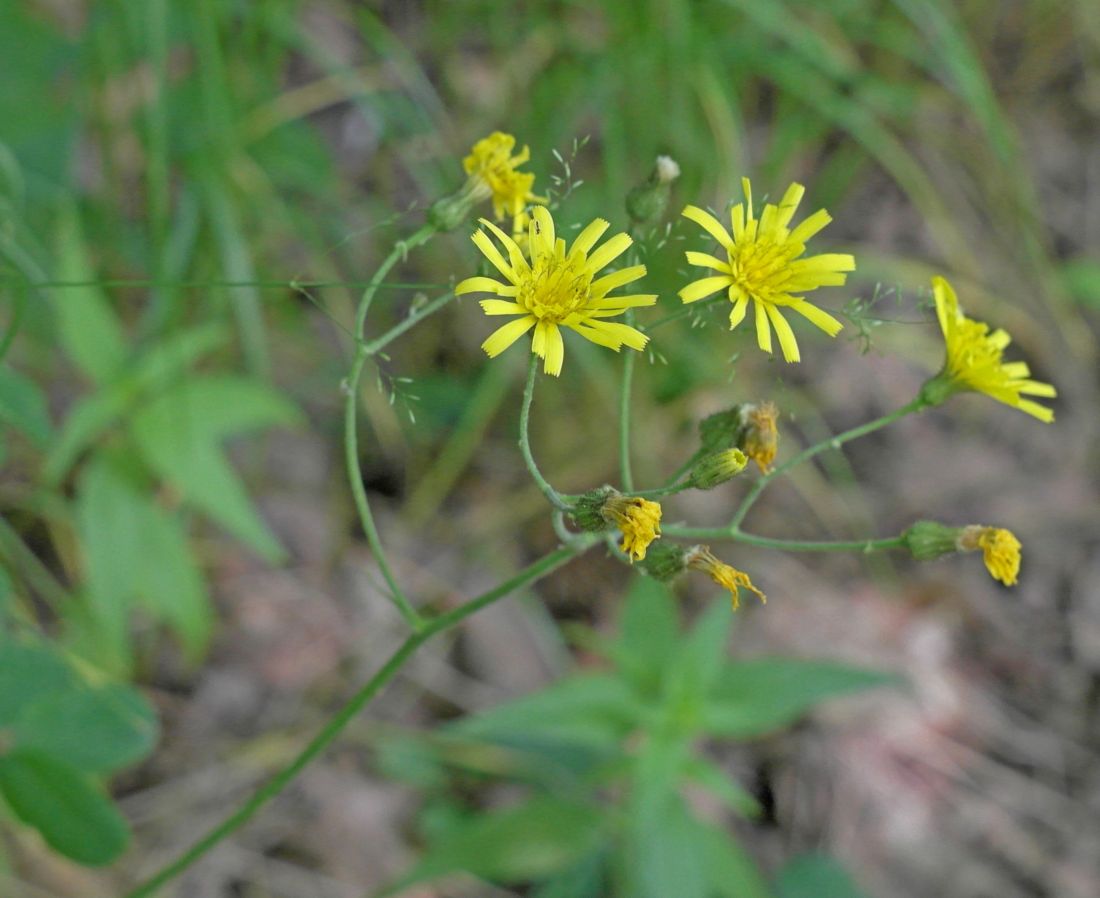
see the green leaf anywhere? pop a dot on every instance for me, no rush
(94, 730)
(72, 815)
(23, 406)
(723, 787)
(163, 364)
(648, 634)
(751, 698)
(87, 326)
(29, 673)
(664, 856)
(535, 840)
(816, 876)
(696, 663)
(732, 873)
(179, 435)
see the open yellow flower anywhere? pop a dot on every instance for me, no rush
(1000, 550)
(550, 288)
(491, 161)
(974, 361)
(699, 558)
(762, 264)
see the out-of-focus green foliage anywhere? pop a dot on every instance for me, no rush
(636, 732)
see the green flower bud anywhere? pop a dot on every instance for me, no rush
(664, 562)
(717, 468)
(927, 540)
(646, 203)
(587, 511)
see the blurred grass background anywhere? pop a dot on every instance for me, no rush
(214, 157)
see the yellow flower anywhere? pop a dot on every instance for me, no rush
(491, 161)
(551, 288)
(699, 558)
(761, 437)
(637, 518)
(1000, 550)
(974, 361)
(762, 264)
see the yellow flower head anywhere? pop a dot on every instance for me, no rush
(761, 437)
(762, 264)
(974, 360)
(549, 288)
(1000, 550)
(637, 518)
(492, 163)
(699, 558)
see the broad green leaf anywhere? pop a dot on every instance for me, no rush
(87, 326)
(649, 630)
(694, 666)
(664, 856)
(732, 873)
(72, 814)
(751, 698)
(23, 406)
(94, 730)
(815, 876)
(136, 553)
(588, 879)
(29, 673)
(180, 434)
(722, 786)
(534, 840)
(164, 363)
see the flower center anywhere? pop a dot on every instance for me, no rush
(555, 288)
(759, 267)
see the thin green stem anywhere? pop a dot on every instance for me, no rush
(682, 312)
(834, 442)
(787, 545)
(399, 251)
(669, 490)
(359, 491)
(379, 343)
(686, 466)
(626, 473)
(347, 713)
(548, 491)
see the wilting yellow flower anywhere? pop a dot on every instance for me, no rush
(699, 558)
(491, 161)
(551, 288)
(974, 361)
(762, 264)
(1000, 550)
(760, 439)
(638, 519)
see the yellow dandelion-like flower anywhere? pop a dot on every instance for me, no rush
(638, 519)
(491, 161)
(760, 441)
(1000, 551)
(550, 288)
(762, 264)
(699, 558)
(974, 361)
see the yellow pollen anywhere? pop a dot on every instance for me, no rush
(555, 288)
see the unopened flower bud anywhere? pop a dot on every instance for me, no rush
(664, 561)
(717, 468)
(646, 203)
(927, 540)
(750, 427)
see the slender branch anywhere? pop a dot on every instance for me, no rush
(399, 251)
(626, 473)
(548, 491)
(359, 491)
(834, 442)
(347, 713)
(379, 343)
(787, 545)
(669, 490)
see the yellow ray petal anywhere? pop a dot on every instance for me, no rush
(555, 351)
(501, 307)
(587, 238)
(763, 332)
(737, 313)
(817, 316)
(595, 336)
(708, 223)
(809, 227)
(608, 253)
(515, 254)
(624, 333)
(705, 260)
(542, 231)
(787, 342)
(620, 278)
(629, 301)
(505, 336)
(789, 204)
(483, 243)
(538, 342)
(704, 287)
(481, 285)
